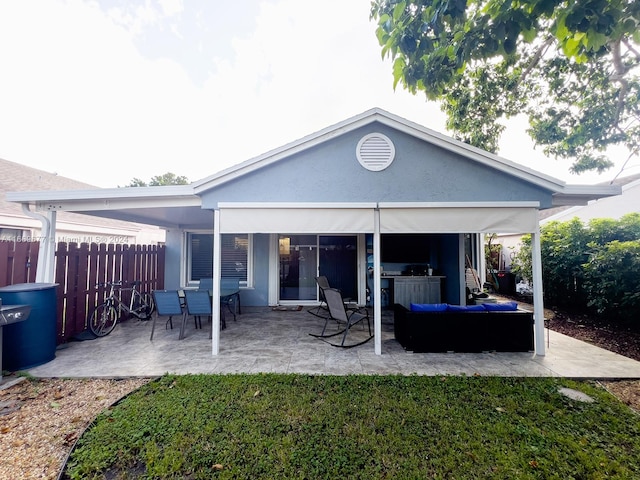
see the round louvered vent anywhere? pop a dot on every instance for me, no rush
(375, 152)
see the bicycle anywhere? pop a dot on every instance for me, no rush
(104, 317)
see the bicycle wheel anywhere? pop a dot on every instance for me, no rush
(151, 305)
(103, 320)
(143, 306)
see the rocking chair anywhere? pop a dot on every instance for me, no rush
(344, 318)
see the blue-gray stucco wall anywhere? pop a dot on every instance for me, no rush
(258, 295)
(173, 259)
(421, 172)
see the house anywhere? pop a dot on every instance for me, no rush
(18, 225)
(342, 201)
(607, 207)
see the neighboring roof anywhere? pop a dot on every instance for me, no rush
(20, 178)
(563, 194)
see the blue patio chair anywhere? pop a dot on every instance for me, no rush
(230, 295)
(167, 305)
(198, 304)
(206, 284)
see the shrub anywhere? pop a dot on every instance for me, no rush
(612, 280)
(596, 266)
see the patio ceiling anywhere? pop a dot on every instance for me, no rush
(165, 206)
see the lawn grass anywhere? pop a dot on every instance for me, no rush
(369, 427)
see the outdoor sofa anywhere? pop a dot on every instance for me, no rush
(500, 327)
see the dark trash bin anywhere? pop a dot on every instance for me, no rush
(506, 282)
(32, 342)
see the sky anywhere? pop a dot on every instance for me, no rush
(111, 90)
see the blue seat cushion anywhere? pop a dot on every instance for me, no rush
(501, 307)
(465, 308)
(428, 307)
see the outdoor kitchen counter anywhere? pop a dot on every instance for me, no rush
(408, 289)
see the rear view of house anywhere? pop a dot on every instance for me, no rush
(375, 203)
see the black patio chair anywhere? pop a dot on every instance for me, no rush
(322, 310)
(167, 305)
(344, 317)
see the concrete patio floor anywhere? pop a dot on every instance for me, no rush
(266, 340)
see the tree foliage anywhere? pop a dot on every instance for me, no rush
(571, 67)
(157, 180)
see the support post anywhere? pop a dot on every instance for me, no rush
(376, 294)
(50, 247)
(538, 302)
(462, 284)
(47, 247)
(215, 307)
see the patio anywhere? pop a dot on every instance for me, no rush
(266, 340)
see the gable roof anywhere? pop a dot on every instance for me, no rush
(563, 194)
(174, 205)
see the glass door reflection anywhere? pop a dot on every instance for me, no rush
(298, 267)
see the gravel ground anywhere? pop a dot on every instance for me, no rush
(40, 421)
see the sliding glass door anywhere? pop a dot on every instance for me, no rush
(303, 257)
(339, 262)
(298, 266)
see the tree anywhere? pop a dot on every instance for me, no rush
(571, 67)
(166, 179)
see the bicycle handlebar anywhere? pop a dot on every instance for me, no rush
(119, 283)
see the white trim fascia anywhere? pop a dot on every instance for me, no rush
(577, 208)
(133, 193)
(390, 120)
(527, 204)
(373, 205)
(103, 204)
(310, 205)
(583, 194)
(631, 185)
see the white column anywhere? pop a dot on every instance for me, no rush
(482, 261)
(462, 284)
(215, 307)
(50, 247)
(376, 294)
(274, 270)
(47, 244)
(538, 304)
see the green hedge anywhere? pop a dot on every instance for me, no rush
(593, 267)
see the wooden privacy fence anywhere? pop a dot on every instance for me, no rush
(79, 269)
(18, 261)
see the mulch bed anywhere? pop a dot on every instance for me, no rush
(619, 338)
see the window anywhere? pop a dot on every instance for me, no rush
(15, 235)
(235, 249)
(235, 256)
